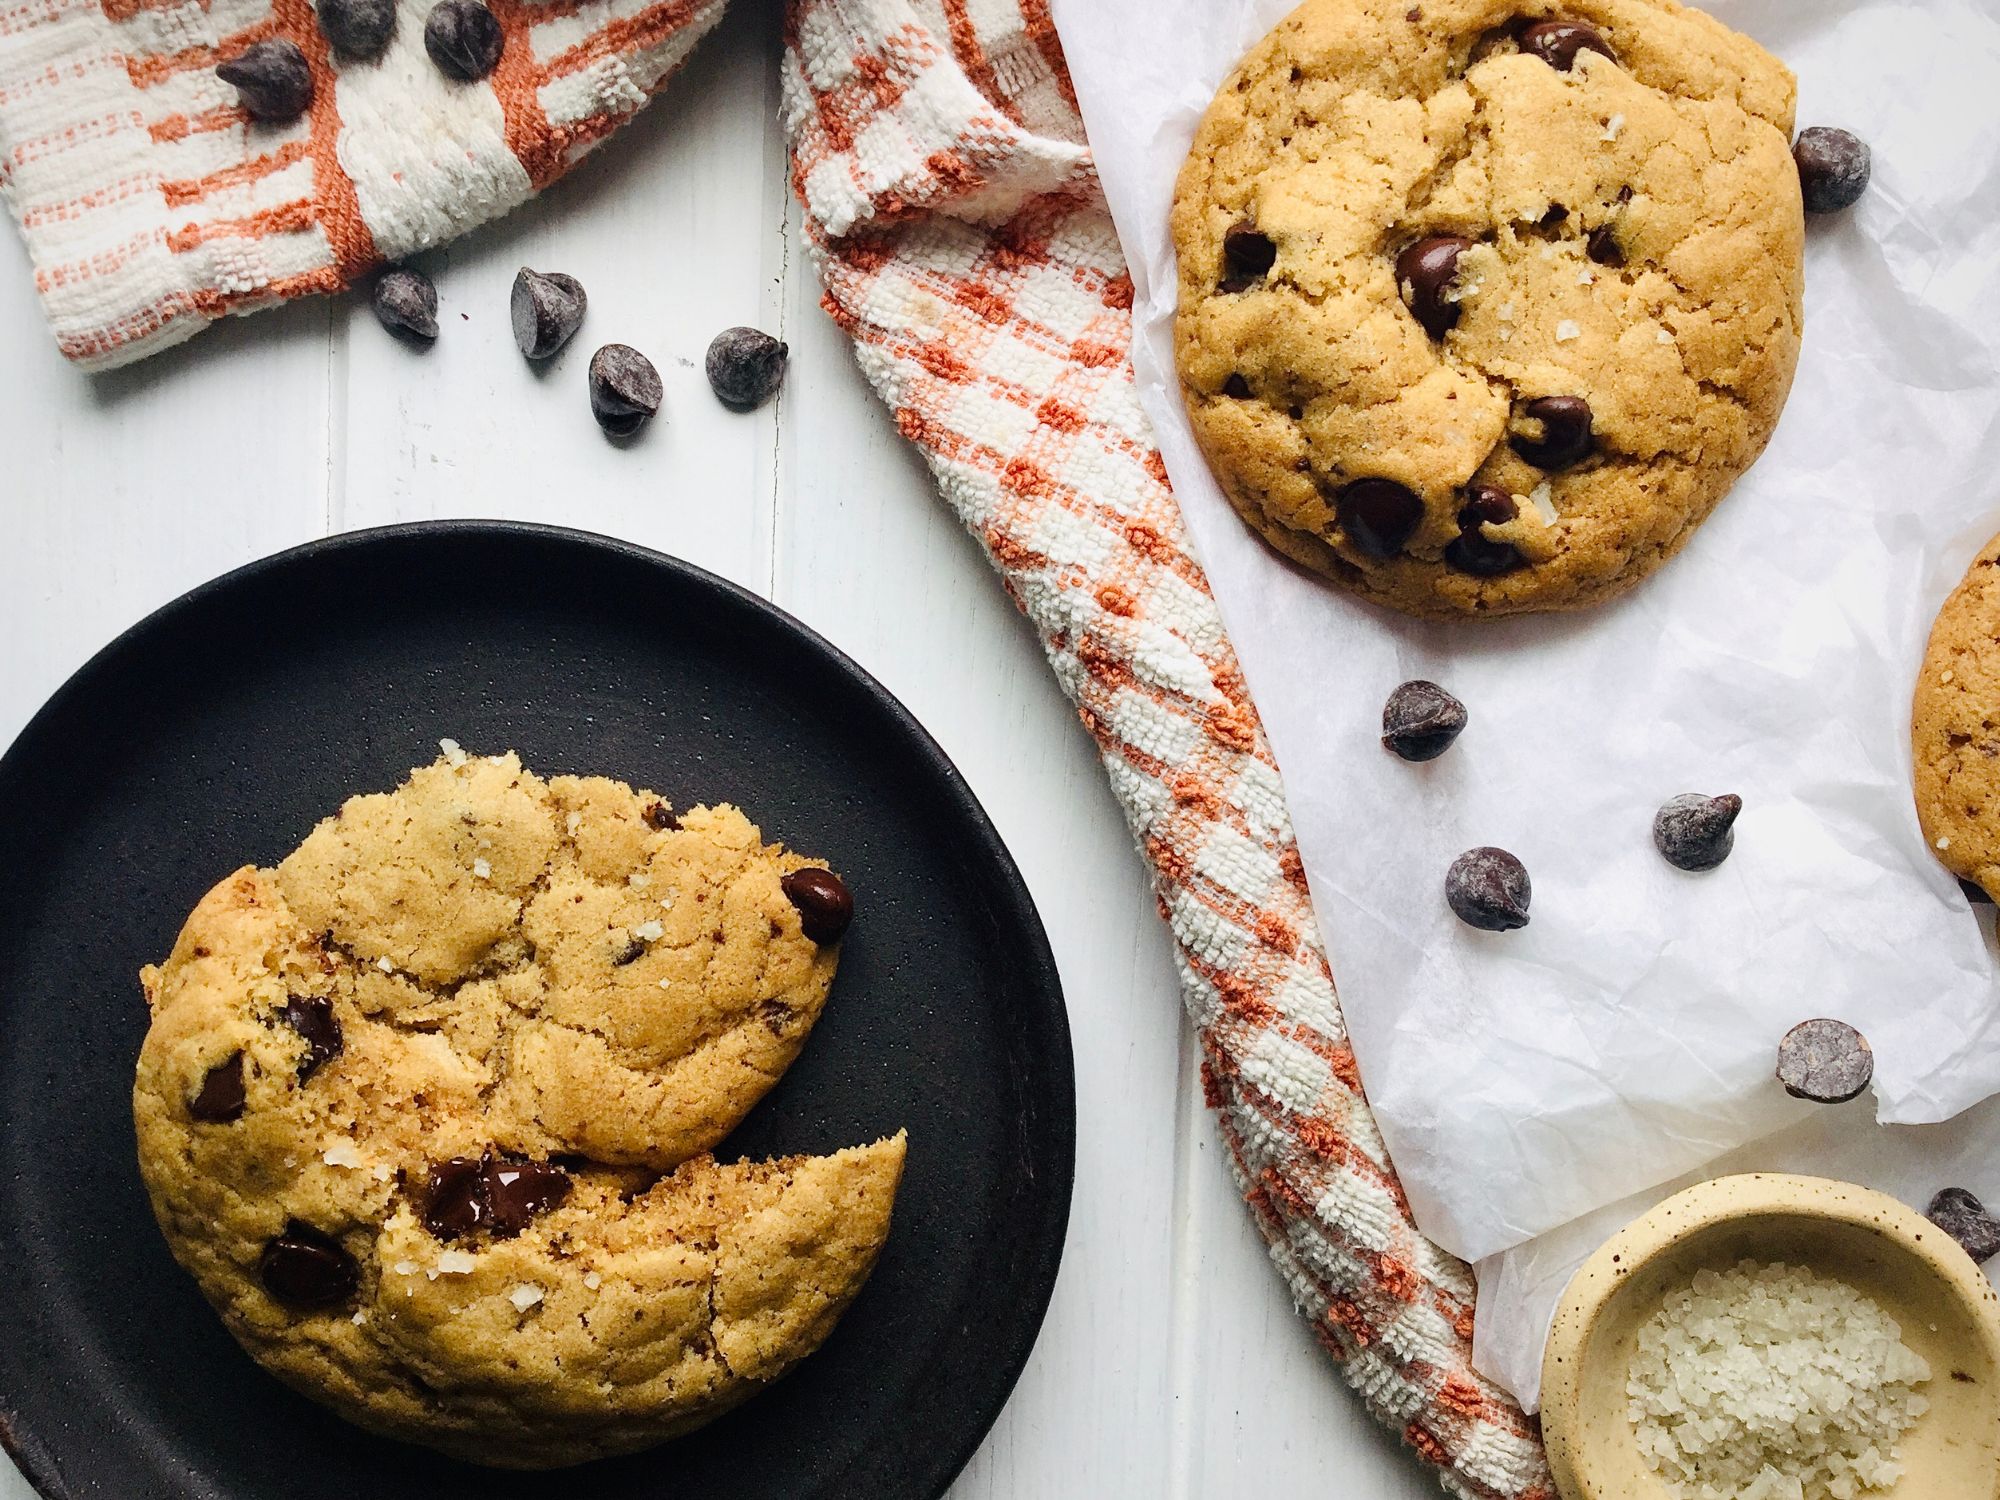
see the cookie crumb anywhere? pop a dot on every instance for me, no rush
(454, 753)
(1568, 329)
(524, 1296)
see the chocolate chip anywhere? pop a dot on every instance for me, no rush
(312, 1017)
(464, 39)
(1425, 272)
(1975, 893)
(1828, 1062)
(825, 907)
(406, 300)
(519, 1191)
(1488, 888)
(1237, 388)
(272, 80)
(1557, 43)
(631, 953)
(1378, 515)
(304, 1268)
(221, 1097)
(455, 1197)
(1420, 721)
(624, 389)
(357, 28)
(1566, 436)
(1602, 246)
(659, 815)
(1833, 168)
(1966, 1220)
(1247, 257)
(1471, 551)
(546, 309)
(745, 367)
(1693, 832)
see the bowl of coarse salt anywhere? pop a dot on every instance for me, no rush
(1765, 1337)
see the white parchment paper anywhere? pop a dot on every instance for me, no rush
(1627, 1036)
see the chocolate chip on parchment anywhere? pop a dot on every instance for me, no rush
(1695, 832)
(1965, 1219)
(1489, 889)
(659, 815)
(625, 389)
(1378, 515)
(1558, 43)
(1826, 1061)
(1566, 432)
(1425, 272)
(1471, 551)
(464, 39)
(546, 309)
(824, 903)
(1420, 721)
(745, 367)
(221, 1097)
(271, 78)
(1834, 167)
(305, 1268)
(1247, 257)
(312, 1017)
(357, 28)
(406, 300)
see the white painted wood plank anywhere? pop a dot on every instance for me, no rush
(869, 555)
(674, 228)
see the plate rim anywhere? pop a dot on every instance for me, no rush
(33, 1457)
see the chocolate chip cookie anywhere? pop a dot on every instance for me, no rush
(425, 1111)
(1484, 304)
(1955, 728)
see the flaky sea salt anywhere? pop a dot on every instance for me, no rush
(482, 869)
(384, 965)
(524, 1297)
(453, 752)
(1612, 126)
(592, 1280)
(456, 1263)
(1543, 499)
(1773, 1383)
(1586, 277)
(404, 1268)
(1663, 337)
(1566, 330)
(573, 822)
(341, 1154)
(638, 880)
(649, 932)
(1943, 843)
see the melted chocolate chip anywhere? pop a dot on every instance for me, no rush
(1693, 832)
(659, 815)
(312, 1017)
(304, 1268)
(1378, 515)
(1566, 433)
(1602, 246)
(1471, 551)
(1236, 387)
(1558, 43)
(1962, 1216)
(824, 905)
(499, 1194)
(1247, 257)
(221, 1097)
(631, 953)
(1424, 274)
(455, 1197)
(1488, 888)
(1828, 1062)
(1421, 720)
(1833, 168)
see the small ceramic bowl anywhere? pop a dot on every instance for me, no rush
(1948, 1311)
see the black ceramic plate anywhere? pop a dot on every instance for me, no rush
(220, 729)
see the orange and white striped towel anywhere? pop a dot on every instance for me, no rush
(152, 204)
(966, 248)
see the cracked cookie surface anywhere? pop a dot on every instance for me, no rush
(1485, 305)
(1955, 728)
(425, 1111)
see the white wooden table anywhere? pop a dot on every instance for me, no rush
(1171, 1364)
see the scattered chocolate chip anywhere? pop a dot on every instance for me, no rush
(1425, 272)
(631, 953)
(1975, 893)
(1602, 246)
(1553, 216)
(1237, 388)
(547, 309)
(517, 1192)
(1833, 168)
(659, 815)
(406, 300)
(1693, 832)
(745, 367)
(1471, 551)
(357, 28)
(1488, 888)
(304, 1268)
(1566, 436)
(221, 1097)
(272, 80)
(1558, 43)
(499, 1194)
(1420, 721)
(1247, 257)
(825, 907)
(1378, 515)
(312, 1017)
(1966, 1220)
(624, 389)
(464, 39)
(1828, 1062)
(454, 1197)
